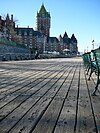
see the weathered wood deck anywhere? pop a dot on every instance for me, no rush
(47, 96)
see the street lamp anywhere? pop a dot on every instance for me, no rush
(87, 48)
(93, 44)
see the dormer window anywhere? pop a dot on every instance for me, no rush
(25, 33)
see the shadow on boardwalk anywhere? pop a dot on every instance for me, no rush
(47, 96)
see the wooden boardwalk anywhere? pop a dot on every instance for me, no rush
(47, 96)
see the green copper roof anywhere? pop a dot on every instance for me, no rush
(43, 12)
(42, 9)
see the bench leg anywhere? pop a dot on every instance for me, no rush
(90, 74)
(94, 92)
(88, 70)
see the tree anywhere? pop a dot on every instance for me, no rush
(10, 25)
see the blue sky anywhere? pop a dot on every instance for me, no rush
(81, 17)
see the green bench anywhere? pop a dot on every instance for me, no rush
(96, 67)
(92, 64)
(87, 61)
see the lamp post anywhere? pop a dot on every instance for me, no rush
(87, 48)
(93, 44)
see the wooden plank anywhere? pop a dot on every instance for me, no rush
(47, 103)
(14, 86)
(52, 113)
(8, 100)
(85, 122)
(13, 115)
(12, 83)
(25, 123)
(95, 104)
(16, 78)
(19, 85)
(66, 120)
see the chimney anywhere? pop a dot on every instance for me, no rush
(12, 17)
(7, 17)
(0, 17)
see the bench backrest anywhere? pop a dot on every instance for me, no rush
(86, 58)
(96, 53)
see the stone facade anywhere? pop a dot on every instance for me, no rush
(32, 39)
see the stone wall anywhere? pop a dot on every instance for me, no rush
(8, 52)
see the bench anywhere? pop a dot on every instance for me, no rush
(94, 66)
(87, 61)
(96, 54)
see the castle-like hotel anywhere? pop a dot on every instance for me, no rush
(40, 39)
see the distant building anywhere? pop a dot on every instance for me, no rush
(69, 44)
(43, 21)
(73, 45)
(66, 41)
(40, 39)
(25, 36)
(52, 44)
(32, 39)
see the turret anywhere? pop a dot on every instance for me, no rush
(73, 39)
